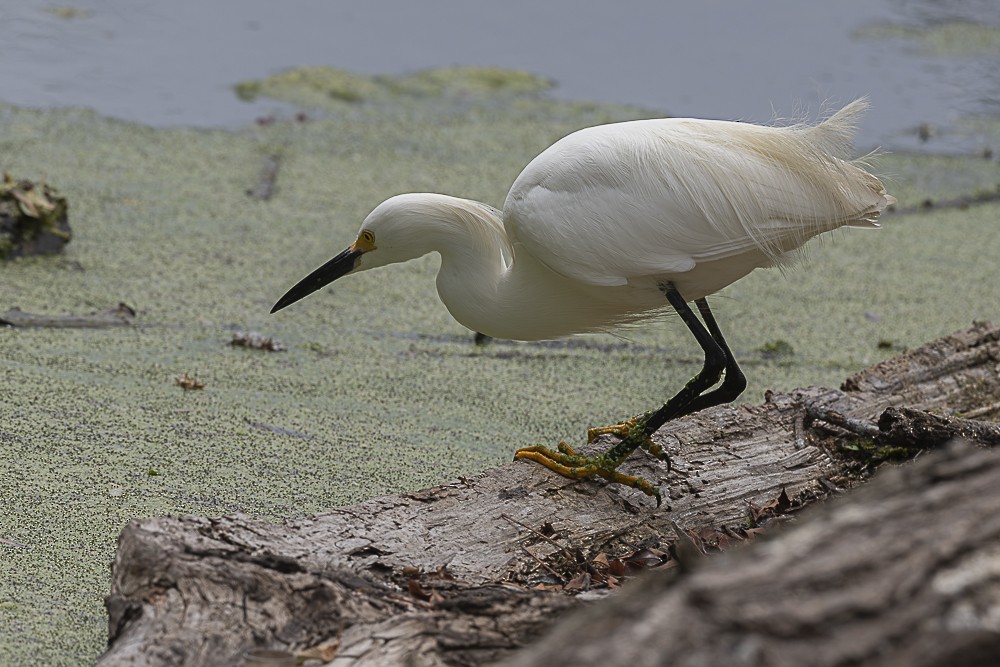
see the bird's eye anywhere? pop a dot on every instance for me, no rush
(368, 237)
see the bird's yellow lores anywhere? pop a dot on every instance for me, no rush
(618, 223)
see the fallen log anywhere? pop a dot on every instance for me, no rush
(904, 571)
(467, 572)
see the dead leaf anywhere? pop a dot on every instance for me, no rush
(256, 341)
(547, 587)
(773, 508)
(416, 590)
(581, 582)
(323, 652)
(643, 559)
(187, 382)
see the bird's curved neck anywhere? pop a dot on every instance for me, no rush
(492, 287)
(475, 254)
(495, 287)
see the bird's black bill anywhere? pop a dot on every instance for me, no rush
(338, 266)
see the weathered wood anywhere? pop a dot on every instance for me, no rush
(443, 575)
(904, 571)
(914, 428)
(121, 315)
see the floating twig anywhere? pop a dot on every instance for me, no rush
(256, 341)
(121, 315)
(264, 189)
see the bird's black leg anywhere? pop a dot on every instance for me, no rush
(637, 432)
(691, 398)
(733, 382)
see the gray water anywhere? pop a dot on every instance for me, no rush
(169, 64)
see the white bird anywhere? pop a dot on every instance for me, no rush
(618, 223)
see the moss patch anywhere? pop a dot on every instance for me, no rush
(948, 38)
(321, 86)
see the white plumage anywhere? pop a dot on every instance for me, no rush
(598, 220)
(611, 204)
(604, 224)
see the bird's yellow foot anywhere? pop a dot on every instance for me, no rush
(568, 463)
(629, 428)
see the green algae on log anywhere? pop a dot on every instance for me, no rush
(33, 219)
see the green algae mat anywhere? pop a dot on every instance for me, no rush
(378, 389)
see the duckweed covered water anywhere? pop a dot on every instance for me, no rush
(380, 390)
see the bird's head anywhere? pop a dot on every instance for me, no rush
(390, 234)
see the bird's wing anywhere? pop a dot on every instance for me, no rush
(653, 198)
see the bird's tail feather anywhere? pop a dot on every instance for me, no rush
(835, 135)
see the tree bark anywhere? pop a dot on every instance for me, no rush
(467, 572)
(905, 571)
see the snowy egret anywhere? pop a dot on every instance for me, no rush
(623, 222)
